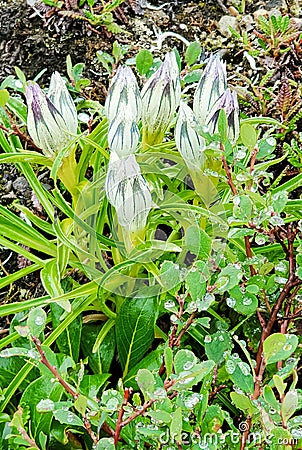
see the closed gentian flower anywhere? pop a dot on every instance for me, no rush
(229, 103)
(123, 136)
(128, 192)
(48, 128)
(62, 100)
(190, 144)
(160, 99)
(123, 95)
(212, 84)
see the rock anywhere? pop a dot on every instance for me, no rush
(298, 23)
(247, 22)
(225, 23)
(260, 12)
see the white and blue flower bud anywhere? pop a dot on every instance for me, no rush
(212, 84)
(123, 95)
(229, 103)
(128, 192)
(62, 100)
(46, 125)
(160, 99)
(190, 144)
(123, 136)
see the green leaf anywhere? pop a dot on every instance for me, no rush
(68, 417)
(91, 384)
(69, 340)
(196, 281)
(176, 425)
(270, 398)
(213, 419)
(39, 390)
(229, 277)
(4, 96)
(152, 362)
(289, 405)
(278, 347)
(241, 401)
(146, 383)
(99, 361)
(134, 330)
(51, 280)
(80, 404)
(198, 242)
(239, 373)
(170, 277)
(217, 344)
(277, 436)
(36, 321)
(144, 61)
(279, 201)
(244, 303)
(105, 444)
(280, 385)
(184, 360)
(192, 52)
(189, 378)
(168, 359)
(222, 126)
(248, 135)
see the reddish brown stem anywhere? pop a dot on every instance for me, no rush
(293, 282)
(119, 423)
(65, 385)
(185, 328)
(53, 369)
(228, 173)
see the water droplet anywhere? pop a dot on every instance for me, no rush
(240, 154)
(276, 220)
(296, 433)
(192, 306)
(244, 368)
(39, 320)
(281, 267)
(174, 318)
(209, 298)
(70, 417)
(280, 280)
(187, 379)
(188, 365)
(260, 239)
(272, 411)
(271, 141)
(247, 301)
(231, 302)
(221, 338)
(287, 347)
(191, 401)
(33, 354)
(169, 304)
(159, 393)
(45, 405)
(236, 356)
(236, 200)
(230, 366)
(207, 339)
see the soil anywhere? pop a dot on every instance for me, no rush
(36, 37)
